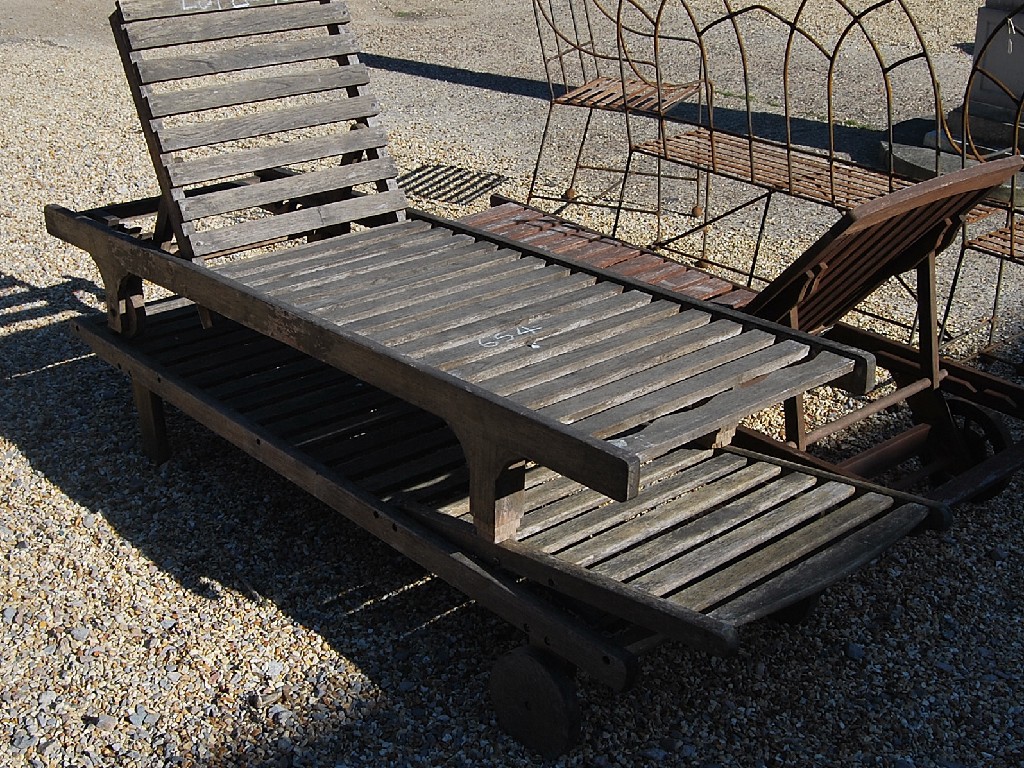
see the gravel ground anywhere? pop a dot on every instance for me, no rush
(207, 613)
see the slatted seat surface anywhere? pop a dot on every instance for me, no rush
(610, 361)
(615, 95)
(198, 69)
(721, 533)
(801, 174)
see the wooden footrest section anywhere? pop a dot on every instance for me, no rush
(716, 537)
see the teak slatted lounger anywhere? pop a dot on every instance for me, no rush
(512, 420)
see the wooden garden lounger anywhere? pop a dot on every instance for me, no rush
(484, 409)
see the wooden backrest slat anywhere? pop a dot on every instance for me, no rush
(264, 123)
(138, 10)
(283, 117)
(240, 236)
(266, 54)
(247, 161)
(181, 28)
(336, 178)
(251, 91)
(875, 241)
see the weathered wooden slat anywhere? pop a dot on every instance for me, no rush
(725, 409)
(493, 362)
(528, 315)
(241, 161)
(609, 515)
(776, 556)
(583, 500)
(137, 10)
(255, 90)
(695, 502)
(547, 284)
(809, 577)
(337, 178)
(356, 285)
(280, 270)
(326, 440)
(393, 444)
(691, 390)
(358, 427)
(203, 134)
(395, 312)
(715, 361)
(264, 385)
(295, 222)
(742, 540)
(363, 298)
(267, 53)
(669, 545)
(584, 371)
(181, 27)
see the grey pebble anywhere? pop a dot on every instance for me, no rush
(855, 651)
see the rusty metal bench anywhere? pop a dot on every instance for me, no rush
(495, 412)
(780, 112)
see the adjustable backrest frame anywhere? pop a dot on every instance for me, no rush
(882, 238)
(308, 162)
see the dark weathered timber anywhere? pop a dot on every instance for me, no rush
(326, 359)
(265, 54)
(180, 28)
(811, 576)
(649, 554)
(646, 527)
(245, 161)
(256, 90)
(192, 135)
(779, 554)
(311, 183)
(739, 541)
(138, 10)
(607, 516)
(635, 324)
(269, 228)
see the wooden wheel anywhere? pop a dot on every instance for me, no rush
(534, 699)
(983, 433)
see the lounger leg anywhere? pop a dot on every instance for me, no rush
(496, 502)
(497, 486)
(126, 305)
(151, 423)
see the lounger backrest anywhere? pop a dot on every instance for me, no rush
(237, 97)
(874, 242)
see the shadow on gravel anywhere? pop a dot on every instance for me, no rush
(861, 143)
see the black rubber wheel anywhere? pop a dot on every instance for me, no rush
(983, 433)
(534, 699)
